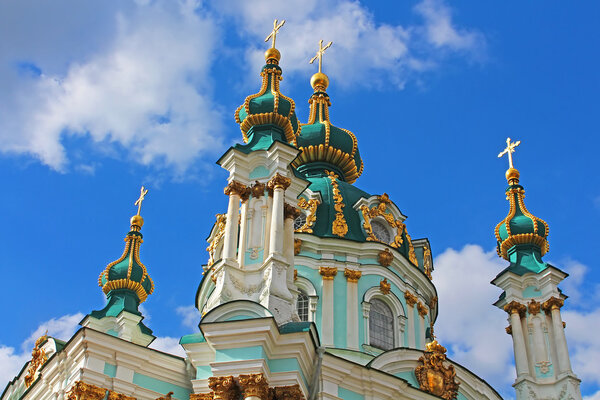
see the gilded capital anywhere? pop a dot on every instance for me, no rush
(85, 391)
(533, 307)
(385, 258)
(279, 182)
(254, 385)
(202, 396)
(328, 273)
(352, 275)
(515, 308)
(553, 303)
(421, 309)
(223, 387)
(257, 190)
(411, 299)
(385, 287)
(292, 392)
(289, 211)
(508, 329)
(235, 188)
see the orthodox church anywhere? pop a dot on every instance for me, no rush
(314, 288)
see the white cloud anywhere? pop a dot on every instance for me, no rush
(190, 316)
(468, 324)
(473, 330)
(142, 93)
(168, 345)
(365, 51)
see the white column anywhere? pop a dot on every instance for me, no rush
(278, 184)
(410, 315)
(539, 343)
(366, 308)
(352, 277)
(231, 227)
(267, 239)
(328, 274)
(243, 233)
(288, 248)
(562, 351)
(515, 310)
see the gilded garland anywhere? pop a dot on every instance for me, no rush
(339, 226)
(433, 376)
(311, 217)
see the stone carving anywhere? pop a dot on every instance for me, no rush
(258, 190)
(433, 376)
(292, 392)
(254, 385)
(534, 307)
(279, 182)
(515, 308)
(38, 358)
(385, 287)
(223, 387)
(328, 273)
(385, 258)
(297, 246)
(352, 275)
(85, 391)
(411, 299)
(202, 396)
(118, 396)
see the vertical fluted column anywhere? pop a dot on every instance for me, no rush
(234, 190)
(352, 277)
(516, 312)
(422, 313)
(243, 228)
(254, 387)
(328, 274)
(552, 306)
(277, 184)
(411, 300)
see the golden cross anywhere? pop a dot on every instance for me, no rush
(273, 34)
(138, 202)
(510, 148)
(319, 54)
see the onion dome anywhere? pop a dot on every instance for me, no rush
(269, 106)
(323, 145)
(521, 236)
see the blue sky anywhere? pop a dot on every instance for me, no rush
(98, 98)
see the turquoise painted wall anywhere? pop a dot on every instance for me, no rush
(147, 382)
(259, 172)
(315, 278)
(347, 394)
(340, 306)
(410, 377)
(110, 370)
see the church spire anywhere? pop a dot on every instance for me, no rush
(269, 111)
(324, 146)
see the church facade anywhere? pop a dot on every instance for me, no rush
(314, 288)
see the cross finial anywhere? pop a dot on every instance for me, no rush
(274, 32)
(138, 202)
(510, 148)
(320, 53)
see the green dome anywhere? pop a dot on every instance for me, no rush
(324, 144)
(520, 227)
(128, 272)
(269, 106)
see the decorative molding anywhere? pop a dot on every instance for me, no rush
(257, 190)
(279, 181)
(385, 258)
(508, 329)
(427, 261)
(236, 188)
(85, 391)
(433, 376)
(385, 287)
(533, 307)
(119, 396)
(411, 299)
(552, 303)
(165, 397)
(352, 275)
(254, 385)
(292, 392)
(422, 309)
(339, 226)
(515, 308)
(380, 211)
(295, 274)
(223, 387)
(311, 207)
(297, 246)
(202, 396)
(38, 358)
(433, 302)
(212, 248)
(328, 273)
(289, 211)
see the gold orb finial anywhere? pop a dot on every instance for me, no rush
(272, 54)
(512, 176)
(137, 221)
(319, 81)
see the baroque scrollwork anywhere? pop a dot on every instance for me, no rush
(212, 248)
(339, 227)
(38, 358)
(427, 267)
(328, 273)
(254, 385)
(223, 387)
(385, 258)
(385, 287)
(433, 376)
(311, 207)
(380, 211)
(86, 391)
(352, 275)
(292, 392)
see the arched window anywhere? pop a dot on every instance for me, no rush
(381, 325)
(302, 306)
(381, 232)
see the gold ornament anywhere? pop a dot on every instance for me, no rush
(212, 248)
(380, 211)
(292, 392)
(352, 275)
(254, 385)
(297, 246)
(235, 188)
(328, 273)
(339, 226)
(311, 207)
(295, 274)
(508, 329)
(166, 397)
(279, 181)
(274, 32)
(515, 308)
(118, 396)
(433, 376)
(385, 258)
(510, 148)
(553, 303)
(411, 299)
(422, 309)
(38, 358)
(258, 190)
(85, 391)
(533, 307)
(385, 287)
(202, 396)
(223, 387)
(289, 211)
(433, 302)
(427, 267)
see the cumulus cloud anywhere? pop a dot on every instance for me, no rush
(141, 94)
(363, 47)
(168, 345)
(190, 316)
(473, 330)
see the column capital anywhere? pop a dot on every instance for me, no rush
(258, 189)
(422, 309)
(289, 211)
(236, 188)
(411, 299)
(533, 307)
(254, 385)
(202, 396)
(352, 275)
(292, 392)
(279, 181)
(328, 273)
(552, 303)
(515, 308)
(223, 387)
